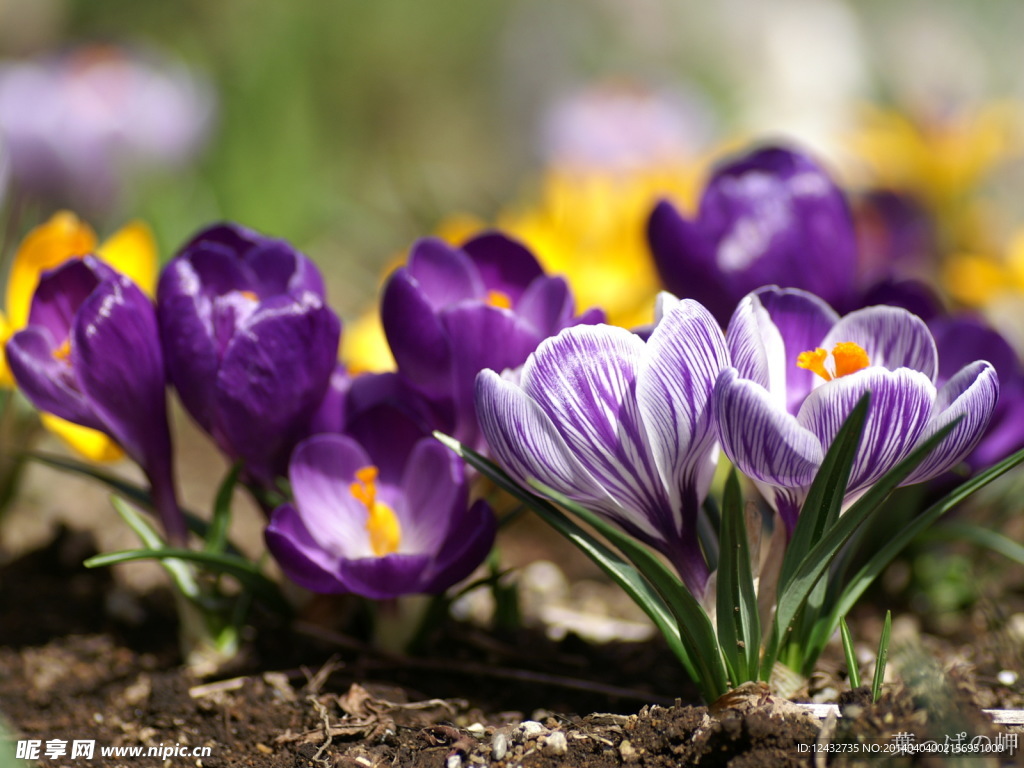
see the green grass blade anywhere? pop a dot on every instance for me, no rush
(882, 659)
(851, 655)
(739, 629)
(217, 535)
(982, 537)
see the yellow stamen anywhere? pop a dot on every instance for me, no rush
(63, 352)
(846, 358)
(382, 523)
(499, 299)
(250, 295)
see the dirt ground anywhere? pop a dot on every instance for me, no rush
(82, 658)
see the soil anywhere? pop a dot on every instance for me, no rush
(82, 657)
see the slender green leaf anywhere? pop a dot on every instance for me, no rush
(982, 537)
(250, 578)
(739, 629)
(851, 655)
(882, 659)
(621, 572)
(695, 627)
(217, 535)
(822, 553)
(825, 496)
(880, 559)
(181, 574)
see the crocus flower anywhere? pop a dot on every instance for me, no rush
(799, 371)
(451, 312)
(381, 510)
(250, 343)
(91, 355)
(763, 218)
(621, 426)
(131, 251)
(81, 125)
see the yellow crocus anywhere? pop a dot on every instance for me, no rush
(131, 251)
(977, 279)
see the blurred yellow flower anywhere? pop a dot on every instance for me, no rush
(131, 251)
(976, 279)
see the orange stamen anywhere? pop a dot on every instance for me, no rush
(63, 352)
(250, 295)
(846, 358)
(499, 299)
(814, 361)
(381, 523)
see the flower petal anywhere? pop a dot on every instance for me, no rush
(443, 273)
(584, 379)
(504, 264)
(416, 336)
(972, 393)
(901, 404)
(685, 354)
(62, 291)
(300, 556)
(322, 470)
(766, 442)
(547, 304)
(471, 536)
(382, 578)
(435, 494)
(892, 337)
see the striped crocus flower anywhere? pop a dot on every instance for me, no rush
(618, 425)
(799, 369)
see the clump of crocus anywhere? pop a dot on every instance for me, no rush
(250, 342)
(621, 426)
(382, 510)
(91, 354)
(452, 312)
(763, 218)
(799, 369)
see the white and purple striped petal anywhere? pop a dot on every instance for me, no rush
(892, 337)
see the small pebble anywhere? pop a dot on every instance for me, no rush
(1007, 677)
(555, 743)
(529, 728)
(626, 751)
(454, 761)
(499, 746)
(477, 729)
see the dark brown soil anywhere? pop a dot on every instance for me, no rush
(82, 660)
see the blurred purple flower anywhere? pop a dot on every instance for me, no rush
(800, 369)
(91, 354)
(769, 216)
(619, 425)
(452, 312)
(79, 125)
(250, 343)
(381, 510)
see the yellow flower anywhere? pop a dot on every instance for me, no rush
(976, 279)
(131, 251)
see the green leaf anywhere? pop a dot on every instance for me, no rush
(825, 496)
(217, 535)
(739, 629)
(815, 563)
(851, 655)
(241, 569)
(882, 659)
(881, 558)
(982, 537)
(621, 572)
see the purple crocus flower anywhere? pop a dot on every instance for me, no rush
(382, 510)
(799, 371)
(621, 426)
(91, 354)
(452, 312)
(769, 216)
(250, 343)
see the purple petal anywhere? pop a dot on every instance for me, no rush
(388, 430)
(443, 273)
(901, 404)
(416, 336)
(322, 470)
(301, 558)
(686, 353)
(972, 393)
(760, 437)
(471, 537)
(272, 379)
(277, 268)
(50, 384)
(61, 292)
(524, 440)
(892, 337)
(382, 578)
(584, 379)
(504, 264)
(434, 494)
(330, 415)
(547, 305)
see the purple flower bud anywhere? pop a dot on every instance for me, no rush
(250, 343)
(452, 312)
(91, 354)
